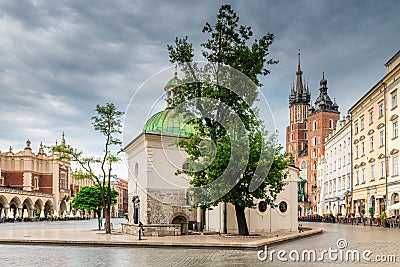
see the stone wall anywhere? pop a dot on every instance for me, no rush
(152, 229)
(165, 204)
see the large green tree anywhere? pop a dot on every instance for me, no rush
(89, 198)
(107, 121)
(222, 154)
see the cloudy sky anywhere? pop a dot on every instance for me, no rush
(58, 59)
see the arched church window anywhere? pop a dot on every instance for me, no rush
(303, 165)
(136, 170)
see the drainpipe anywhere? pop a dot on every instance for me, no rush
(386, 160)
(351, 165)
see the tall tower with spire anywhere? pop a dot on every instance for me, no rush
(305, 135)
(299, 104)
(322, 119)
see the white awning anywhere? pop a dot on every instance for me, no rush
(394, 207)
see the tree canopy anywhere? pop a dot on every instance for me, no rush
(107, 121)
(231, 151)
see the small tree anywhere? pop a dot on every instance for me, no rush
(89, 198)
(108, 122)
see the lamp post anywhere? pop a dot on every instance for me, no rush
(135, 201)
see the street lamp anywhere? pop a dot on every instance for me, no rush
(135, 201)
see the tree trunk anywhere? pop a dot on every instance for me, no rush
(108, 221)
(98, 219)
(241, 220)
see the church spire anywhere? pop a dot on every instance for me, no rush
(299, 73)
(323, 101)
(300, 94)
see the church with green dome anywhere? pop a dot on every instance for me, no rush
(160, 197)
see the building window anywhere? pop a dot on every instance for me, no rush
(356, 128)
(348, 181)
(283, 206)
(362, 149)
(136, 170)
(380, 110)
(262, 206)
(362, 124)
(371, 143)
(331, 124)
(395, 129)
(371, 116)
(395, 166)
(344, 161)
(291, 127)
(305, 135)
(383, 169)
(314, 125)
(298, 112)
(373, 172)
(357, 178)
(382, 138)
(36, 182)
(291, 137)
(357, 152)
(363, 175)
(63, 181)
(394, 100)
(314, 141)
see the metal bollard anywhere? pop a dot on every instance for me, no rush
(140, 230)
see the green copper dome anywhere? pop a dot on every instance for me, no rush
(169, 123)
(173, 83)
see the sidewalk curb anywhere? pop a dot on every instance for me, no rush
(308, 231)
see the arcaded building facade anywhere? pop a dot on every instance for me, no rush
(34, 184)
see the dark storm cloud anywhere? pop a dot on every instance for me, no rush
(61, 58)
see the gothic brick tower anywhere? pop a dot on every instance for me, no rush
(296, 132)
(322, 120)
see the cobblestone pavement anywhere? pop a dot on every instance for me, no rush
(381, 241)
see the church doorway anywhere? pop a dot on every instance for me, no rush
(180, 219)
